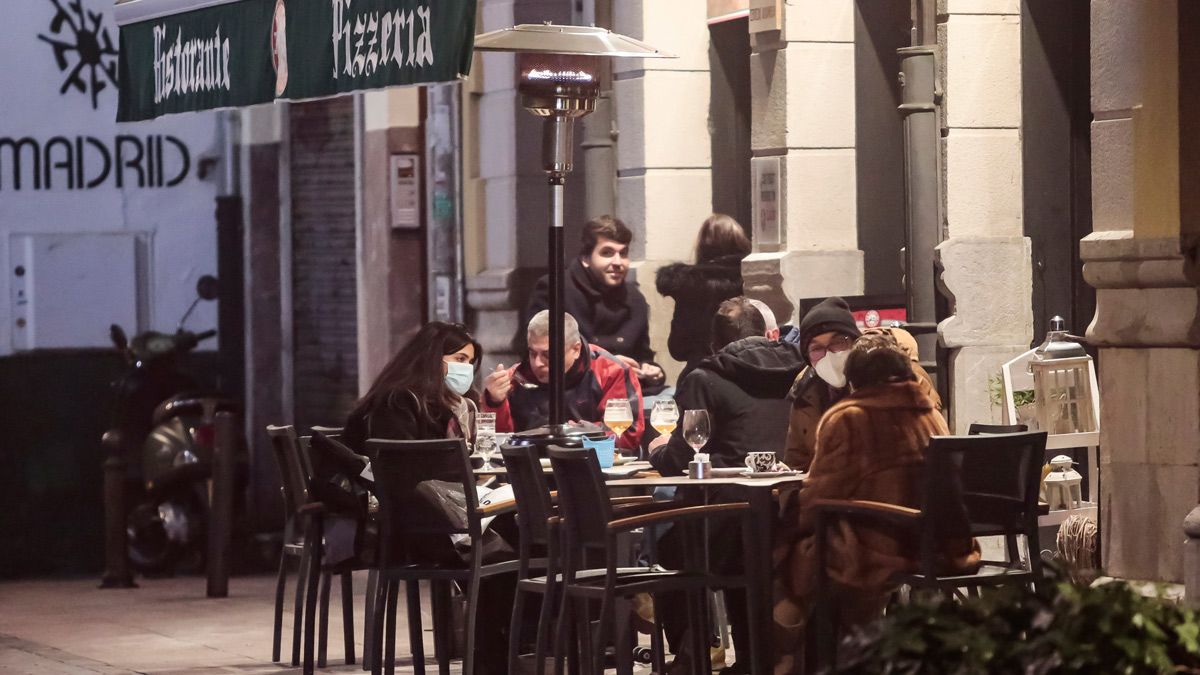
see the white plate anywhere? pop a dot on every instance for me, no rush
(768, 474)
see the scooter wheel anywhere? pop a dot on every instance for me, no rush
(643, 655)
(165, 536)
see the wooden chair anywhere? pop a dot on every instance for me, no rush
(972, 486)
(408, 525)
(589, 523)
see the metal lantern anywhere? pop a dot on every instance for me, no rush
(1062, 383)
(559, 80)
(1063, 485)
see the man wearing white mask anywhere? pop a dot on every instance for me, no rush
(827, 332)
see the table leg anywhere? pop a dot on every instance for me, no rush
(758, 545)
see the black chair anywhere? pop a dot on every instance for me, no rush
(411, 529)
(977, 429)
(537, 523)
(304, 514)
(984, 485)
(591, 525)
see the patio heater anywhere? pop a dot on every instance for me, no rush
(559, 69)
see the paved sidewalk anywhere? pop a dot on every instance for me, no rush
(166, 627)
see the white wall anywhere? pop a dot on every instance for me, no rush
(175, 222)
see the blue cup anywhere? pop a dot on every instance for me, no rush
(606, 450)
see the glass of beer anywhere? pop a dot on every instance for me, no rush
(664, 416)
(618, 416)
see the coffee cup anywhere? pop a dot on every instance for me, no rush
(760, 462)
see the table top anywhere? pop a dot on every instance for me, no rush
(658, 481)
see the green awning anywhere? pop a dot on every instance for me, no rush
(187, 55)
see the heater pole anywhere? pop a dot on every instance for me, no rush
(556, 309)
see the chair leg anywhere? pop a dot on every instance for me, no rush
(369, 620)
(323, 620)
(583, 636)
(699, 631)
(600, 635)
(469, 628)
(416, 644)
(280, 585)
(377, 625)
(298, 606)
(543, 628)
(310, 597)
(514, 632)
(438, 599)
(389, 655)
(658, 646)
(623, 633)
(348, 616)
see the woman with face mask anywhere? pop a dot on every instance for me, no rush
(827, 332)
(423, 393)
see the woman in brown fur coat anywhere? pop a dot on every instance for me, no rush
(870, 446)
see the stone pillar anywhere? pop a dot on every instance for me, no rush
(803, 111)
(1146, 322)
(506, 201)
(664, 151)
(986, 258)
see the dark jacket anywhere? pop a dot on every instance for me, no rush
(616, 319)
(399, 417)
(596, 377)
(744, 388)
(698, 290)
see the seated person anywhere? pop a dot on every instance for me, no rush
(826, 333)
(592, 377)
(610, 308)
(870, 446)
(744, 387)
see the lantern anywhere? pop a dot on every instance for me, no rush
(1063, 485)
(1062, 384)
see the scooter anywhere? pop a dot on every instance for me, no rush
(163, 417)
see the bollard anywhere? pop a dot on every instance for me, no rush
(116, 561)
(221, 488)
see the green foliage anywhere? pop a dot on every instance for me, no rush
(996, 393)
(1059, 629)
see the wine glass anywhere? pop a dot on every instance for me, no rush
(664, 416)
(485, 436)
(618, 416)
(696, 428)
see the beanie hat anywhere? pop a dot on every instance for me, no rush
(830, 315)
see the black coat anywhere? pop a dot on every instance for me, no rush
(744, 387)
(698, 290)
(616, 319)
(396, 417)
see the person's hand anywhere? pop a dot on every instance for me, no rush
(651, 372)
(658, 442)
(498, 384)
(632, 363)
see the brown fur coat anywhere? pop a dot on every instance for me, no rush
(870, 446)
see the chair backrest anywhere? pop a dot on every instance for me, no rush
(330, 432)
(978, 429)
(582, 494)
(532, 492)
(986, 481)
(286, 446)
(425, 489)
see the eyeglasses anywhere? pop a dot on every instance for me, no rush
(838, 344)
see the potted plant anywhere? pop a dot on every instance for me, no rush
(1024, 402)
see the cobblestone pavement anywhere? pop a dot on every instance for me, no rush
(165, 627)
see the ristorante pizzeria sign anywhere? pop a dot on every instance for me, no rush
(246, 52)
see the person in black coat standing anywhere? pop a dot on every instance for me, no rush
(611, 310)
(699, 288)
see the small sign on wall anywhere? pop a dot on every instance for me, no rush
(767, 201)
(404, 183)
(766, 15)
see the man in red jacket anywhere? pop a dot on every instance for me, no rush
(592, 377)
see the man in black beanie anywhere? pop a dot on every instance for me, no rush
(827, 332)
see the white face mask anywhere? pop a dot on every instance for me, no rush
(459, 376)
(832, 368)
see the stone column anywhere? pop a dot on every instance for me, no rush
(803, 111)
(506, 202)
(664, 151)
(986, 258)
(1146, 322)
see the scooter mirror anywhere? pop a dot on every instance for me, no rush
(207, 287)
(117, 335)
